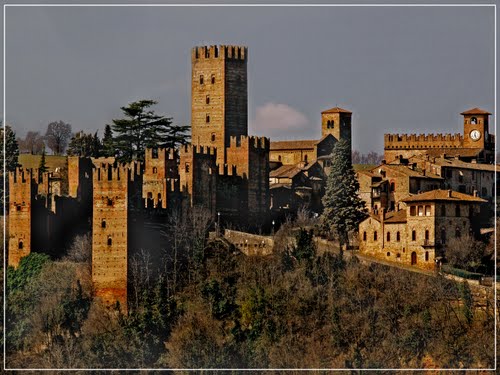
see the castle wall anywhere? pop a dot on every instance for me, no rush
(291, 157)
(408, 145)
(159, 170)
(21, 199)
(250, 244)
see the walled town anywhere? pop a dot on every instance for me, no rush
(428, 190)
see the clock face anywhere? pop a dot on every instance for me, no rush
(475, 135)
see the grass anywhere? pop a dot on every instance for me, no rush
(33, 161)
(362, 167)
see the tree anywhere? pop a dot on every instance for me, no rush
(57, 135)
(142, 128)
(344, 210)
(465, 252)
(107, 142)
(85, 145)
(32, 143)
(42, 167)
(11, 148)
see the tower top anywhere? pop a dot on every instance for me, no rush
(224, 52)
(475, 111)
(336, 110)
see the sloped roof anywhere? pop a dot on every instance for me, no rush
(336, 110)
(285, 171)
(475, 111)
(404, 169)
(461, 164)
(443, 195)
(293, 145)
(396, 217)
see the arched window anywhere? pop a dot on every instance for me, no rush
(207, 99)
(398, 236)
(103, 224)
(212, 79)
(388, 236)
(427, 234)
(110, 202)
(110, 241)
(388, 254)
(207, 119)
(473, 120)
(364, 236)
(413, 235)
(457, 210)
(213, 137)
(427, 210)
(20, 245)
(155, 170)
(375, 236)
(201, 79)
(393, 186)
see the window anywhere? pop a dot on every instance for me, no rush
(103, 224)
(388, 236)
(207, 99)
(213, 137)
(364, 236)
(375, 236)
(393, 186)
(154, 153)
(20, 245)
(420, 210)
(443, 210)
(413, 210)
(473, 120)
(110, 202)
(427, 210)
(426, 256)
(110, 241)
(207, 119)
(279, 157)
(201, 79)
(305, 158)
(155, 170)
(398, 236)
(443, 236)
(186, 167)
(449, 173)
(18, 207)
(150, 195)
(457, 210)
(388, 254)
(458, 234)
(427, 234)
(212, 79)
(413, 235)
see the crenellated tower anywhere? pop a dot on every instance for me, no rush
(160, 172)
(219, 96)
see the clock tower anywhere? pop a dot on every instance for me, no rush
(476, 128)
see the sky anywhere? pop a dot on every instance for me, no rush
(398, 69)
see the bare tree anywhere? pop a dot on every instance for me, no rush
(32, 143)
(57, 135)
(80, 250)
(465, 252)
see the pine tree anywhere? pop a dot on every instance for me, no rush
(11, 149)
(343, 209)
(42, 167)
(142, 128)
(107, 142)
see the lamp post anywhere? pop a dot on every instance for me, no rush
(218, 224)
(272, 231)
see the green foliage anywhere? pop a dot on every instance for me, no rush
(42, 167)
(461, 273)
(11, 149)
(305, 248)
(85, 145)
(468, 303)
(142, 128)
(29, 267)
(343, 209)
(107, 142)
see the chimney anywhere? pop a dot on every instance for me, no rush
(474, 193)
(449, 193)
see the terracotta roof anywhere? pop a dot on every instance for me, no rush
(404, 169)
(285, 171)
(293, 145)
(475, 111)
(461, 164)
(443, 195)
(280, 186)
(336, 110)
(396, 217)
(464, 152)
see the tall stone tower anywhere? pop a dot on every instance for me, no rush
(219, 96)
(337, 122)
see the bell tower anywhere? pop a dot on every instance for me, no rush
(476, 128)
(219, 99)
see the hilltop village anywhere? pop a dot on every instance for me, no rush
(428, 189)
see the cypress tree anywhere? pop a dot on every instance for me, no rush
(42, 167)
(343, 208)
(107, 142)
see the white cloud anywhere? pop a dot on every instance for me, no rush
(273, 119)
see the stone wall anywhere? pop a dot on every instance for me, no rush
(250, 244)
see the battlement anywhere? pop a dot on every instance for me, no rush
(224, 52)
(161, 153)
(422, 140)
(253, 142)
(20, 176)
(227, 170)
(109, 172)
(198, 150)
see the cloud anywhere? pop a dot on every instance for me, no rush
(277, 120)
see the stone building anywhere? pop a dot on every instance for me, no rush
(476, 143)
(418, 233)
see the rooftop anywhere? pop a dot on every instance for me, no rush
(293, 145)
(443, 195)
(336, 110)
(285, 171)
(475, 111)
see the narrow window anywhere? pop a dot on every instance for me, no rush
(155, 170)
(420, 210)
(388, 254)
(208, 118)
(110, 202)
(443, 210)
(110, 241)
(443, 236)
(364, 236)
(187, 167)
(305, 158)
(213, 79)
(201, 79)
(20, 245)
(375, 236)
(393, 186)
(279, 157)
(18, 207)
(413, 235)
(457, 210)
(413, 210)
(207, 99)
(427, 235)
(398, 236)
(103, 224)
(426, 256)
(154, 153)
(473, 120)
(388, 236)
(427, 210)
(150, 195)
(213, 137)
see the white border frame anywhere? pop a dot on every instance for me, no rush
(491, 5)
